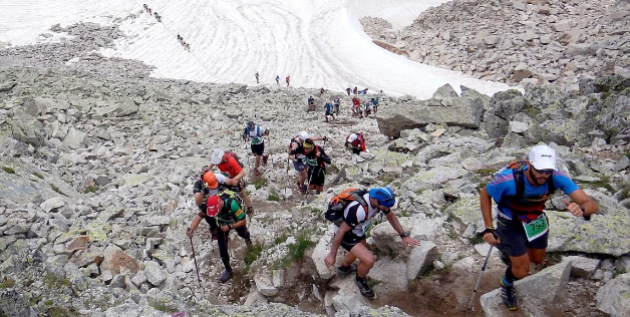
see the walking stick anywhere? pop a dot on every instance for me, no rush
(483, 268)
(195, 258)
(308, 187)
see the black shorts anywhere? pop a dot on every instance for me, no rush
(258, 149)
(514, 240)
(316, 176)
(350, 240)
(236, 188)
(329, 113)
(298, 165)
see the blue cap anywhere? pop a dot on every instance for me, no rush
(384, 196)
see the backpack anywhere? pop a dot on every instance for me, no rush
(517, 167)
(258, 134)
(235, 156)
(338, 204)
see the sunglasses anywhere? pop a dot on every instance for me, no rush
(544, 172)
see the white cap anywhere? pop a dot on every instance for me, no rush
(542, 157)
(303, 135)
(352, 137)
(217, 156)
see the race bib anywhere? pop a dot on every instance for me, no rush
(536, 227)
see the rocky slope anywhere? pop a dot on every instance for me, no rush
(98, 161)
(518, 41)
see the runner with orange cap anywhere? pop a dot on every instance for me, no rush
(227, 212)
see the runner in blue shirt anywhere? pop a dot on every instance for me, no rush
(522, 229)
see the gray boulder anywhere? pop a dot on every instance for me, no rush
(613, 299)
(446, 109)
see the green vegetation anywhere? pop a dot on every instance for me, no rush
(280, 239)
(61, 312)
(603, 182)
(38, 175)
(476, 239)
(618, 272)
(486, 171)
(316, 211)
(531, 111)
(252, 253)
(296, 251)
(56, 189)
(273, 196)
(259, 182)
(49, 302)
(51, 280)
(427, 272)
(8, 170)
(161, 306)
(90, 189)
(7, 282)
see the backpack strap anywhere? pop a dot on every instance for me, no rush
(519, 179)
(357, 195)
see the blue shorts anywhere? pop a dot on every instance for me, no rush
(513, 239)
(298, 165)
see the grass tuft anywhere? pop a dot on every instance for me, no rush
(8, 170)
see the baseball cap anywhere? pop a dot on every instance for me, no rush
(542, 157)
(217, 156)
(303, 135)
(210, 179)
(212, 206)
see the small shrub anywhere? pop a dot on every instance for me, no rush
(7, 282)
(296, 251)
(259, 182)
(252, 253)
(428, 272)
(57, 312)
(8, 170)
(49, 302)
(280, 239)
(56, 189)
(486, 171)
(90, 189)
(162, 307)
(38, 175)
(273, 196)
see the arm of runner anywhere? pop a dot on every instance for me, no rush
(407, 241)
(199, 198)
(582, 205)
(331, 258)
(485, 202)
(193, 226)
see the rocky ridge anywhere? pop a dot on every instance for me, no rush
(518, 41)
(98, 162)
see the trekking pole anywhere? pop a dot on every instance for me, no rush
(308, 187)
(483, 268)
(195, 258)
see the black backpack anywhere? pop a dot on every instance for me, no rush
(338, 204)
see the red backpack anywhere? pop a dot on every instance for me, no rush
(235, 156)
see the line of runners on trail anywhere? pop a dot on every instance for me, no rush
(158, 17)
(221, 197)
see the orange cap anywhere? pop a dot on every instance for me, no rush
(210, 180)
